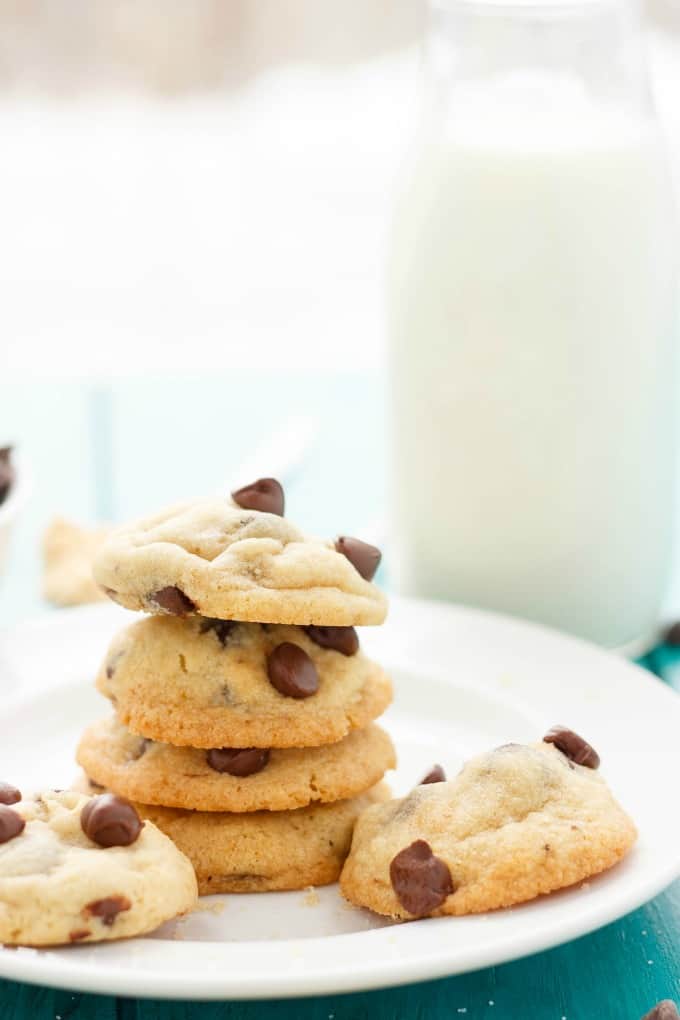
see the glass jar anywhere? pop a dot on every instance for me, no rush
(532, 313)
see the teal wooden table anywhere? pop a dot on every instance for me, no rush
(108, 452)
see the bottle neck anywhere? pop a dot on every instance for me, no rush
(548, 55)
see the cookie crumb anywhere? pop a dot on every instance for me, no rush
(216, 908)
(311, 897)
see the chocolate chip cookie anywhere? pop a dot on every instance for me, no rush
(81, 869)
(233, 779)
(514, 824)
(234, 560)
(211, 683)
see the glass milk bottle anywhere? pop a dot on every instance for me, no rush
(532, 292)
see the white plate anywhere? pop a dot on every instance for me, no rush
(465, 681)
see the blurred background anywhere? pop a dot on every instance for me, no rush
(194, 204)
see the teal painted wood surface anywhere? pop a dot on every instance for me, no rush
(107, 453)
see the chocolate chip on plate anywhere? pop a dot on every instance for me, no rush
(172, 600)
(107, 909)
(11, 823)
(9, 794)
(238, 761)
(266, 495)
(364, 558)
(291, 671)
(222, 629)
(110, 821)
(420, 880)
(6, 472)
(340, 639)
(573, 746)
(665, 1010)
(435, 775)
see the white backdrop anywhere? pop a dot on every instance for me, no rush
(145, 236)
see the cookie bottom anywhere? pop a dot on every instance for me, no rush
(265, 851)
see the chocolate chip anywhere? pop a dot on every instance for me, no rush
(340, 639)
(11, 824)
(9, 794)
(6, 472)
(172, 600)
(420, 880)
(108, 909)
(573, 746)
(435, 775)
(364, 558)
(665, 1010)
(292, 672)
(266, 495)
(222, 629)
(78, 934)
(110, 821)
(672, 634)
(238, 761)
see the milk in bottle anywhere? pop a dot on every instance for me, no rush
(532, 294)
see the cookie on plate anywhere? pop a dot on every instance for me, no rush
(208, 683)
(224, 560)
(263, 851)
(85, 869)
(515, 823)
(224, 779)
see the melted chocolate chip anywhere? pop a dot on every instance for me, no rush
(265, 495)
(435, 775)
(108, 909)
(420, 880)
(573, 746)
(9, 794)
(665, 1010)
(78, 934)
(110, 821)
(11, 824)
(222, 629)
(292, 672)
(172, 600)
(6, 472)
(339, 639)
(364, 558)
(238, 761)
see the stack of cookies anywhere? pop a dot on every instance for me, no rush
(244, 706)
